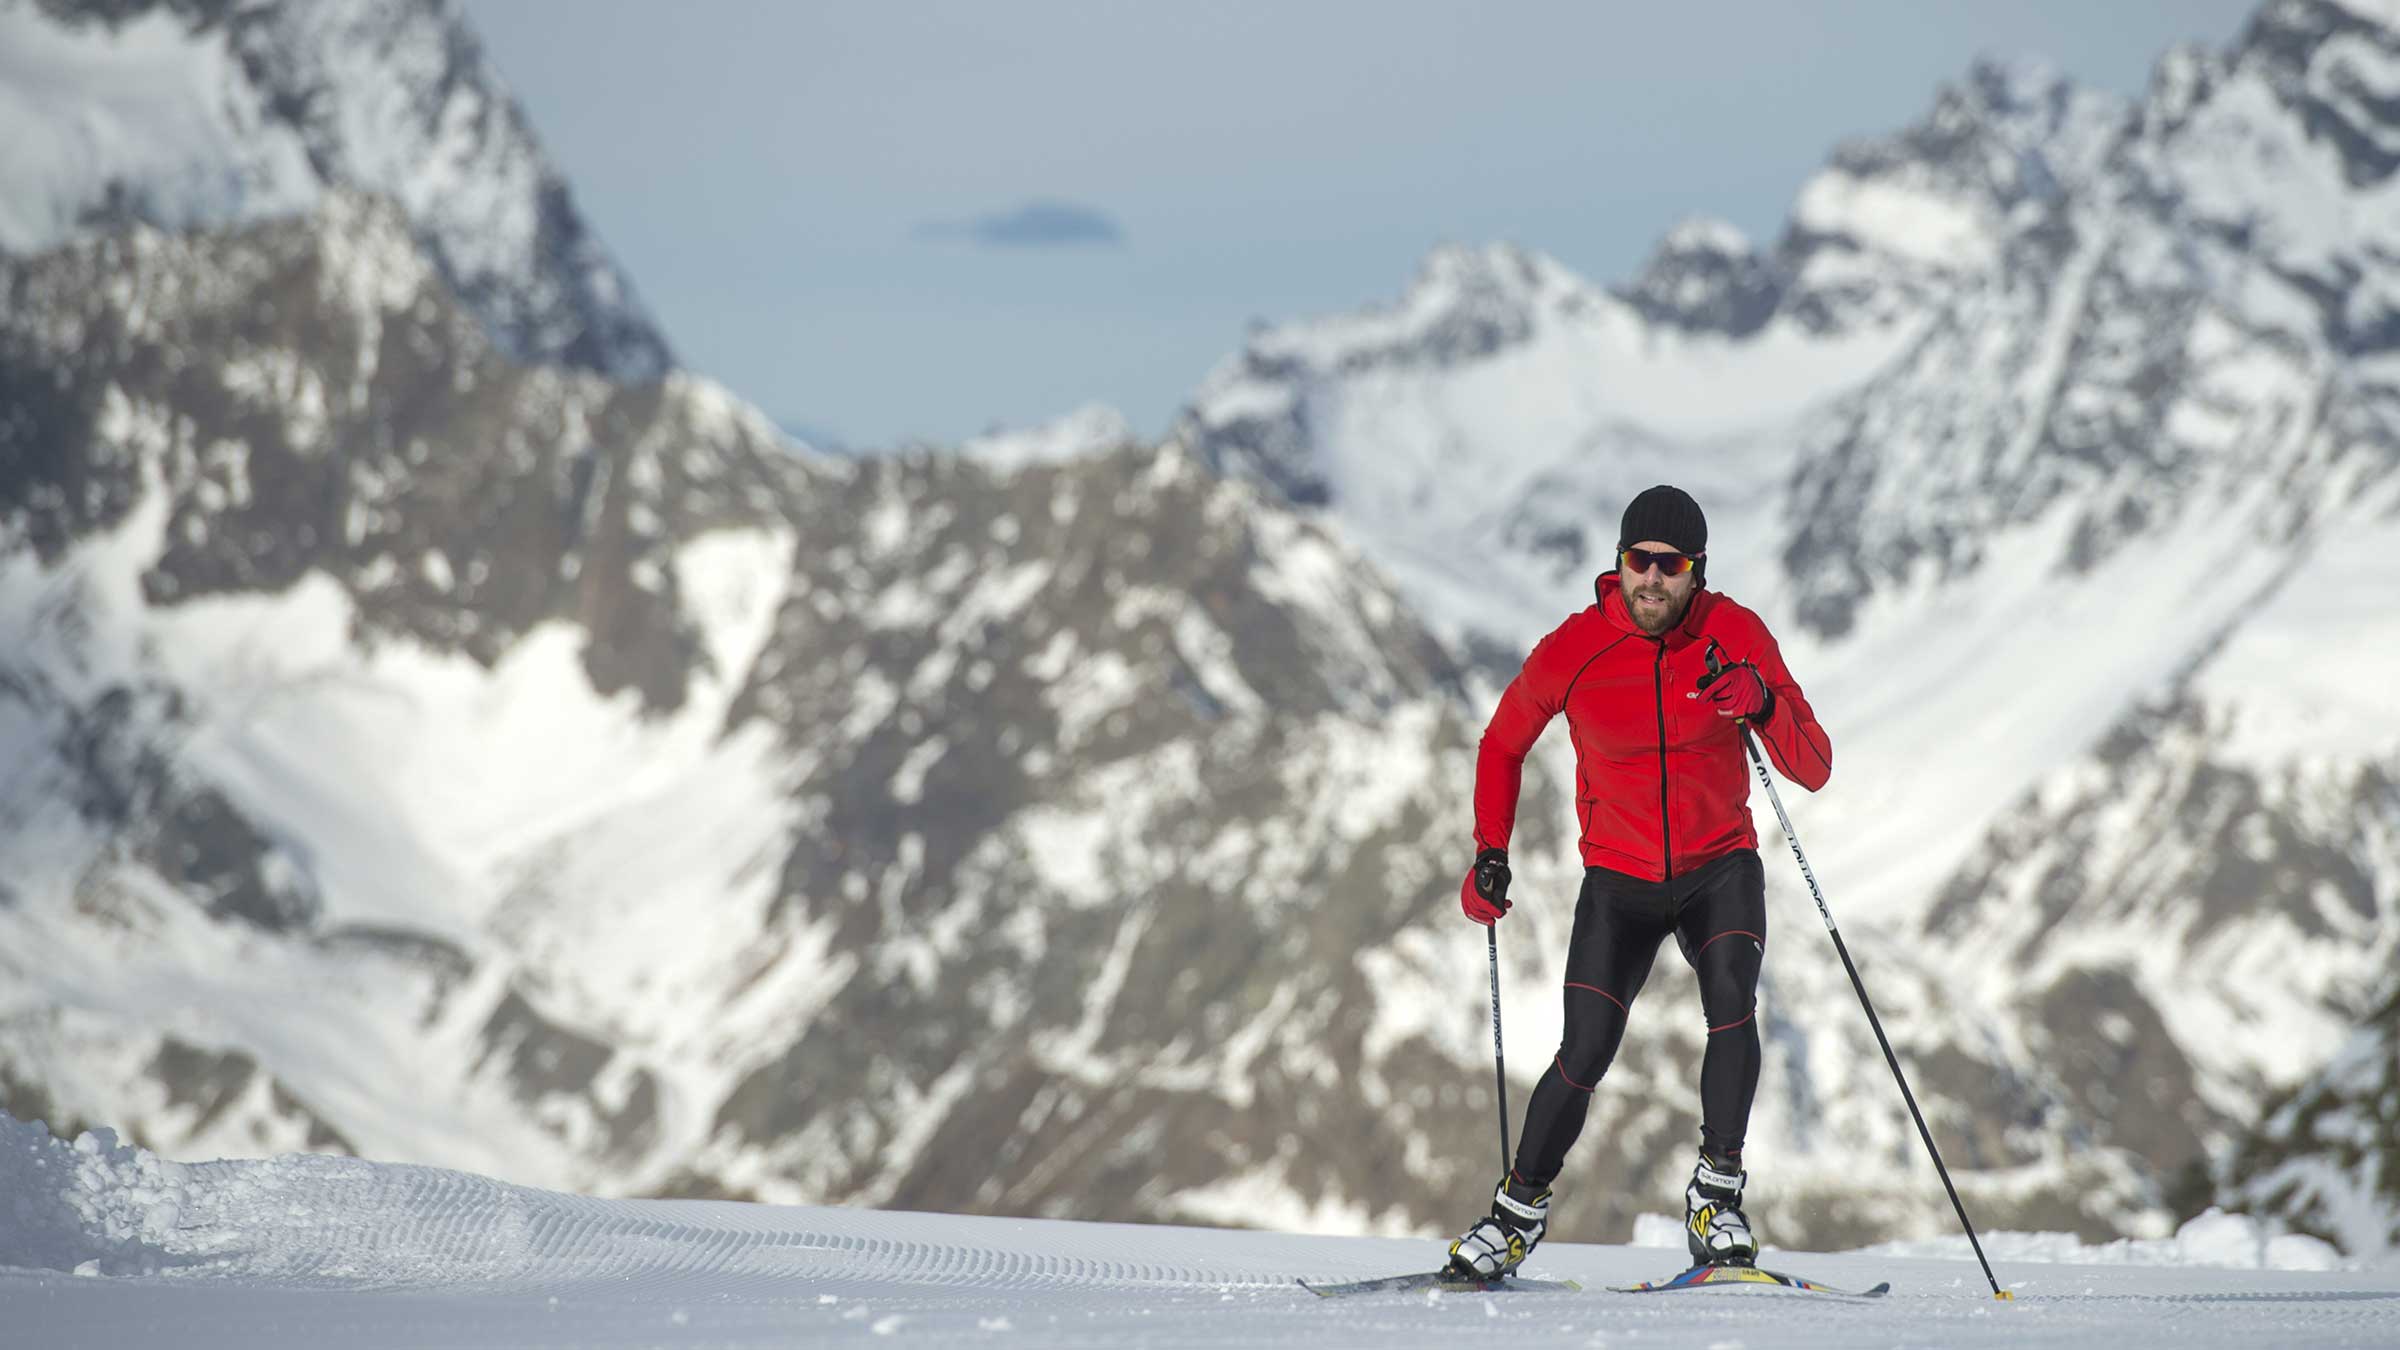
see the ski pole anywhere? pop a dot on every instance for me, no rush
(1825, 912)
(1759, 762)
(1491, 935)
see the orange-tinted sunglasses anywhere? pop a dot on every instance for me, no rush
(1642, 560)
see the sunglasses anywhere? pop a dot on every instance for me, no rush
(1669, 563)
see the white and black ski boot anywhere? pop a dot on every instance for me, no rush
(1713, 1224)
(1501, 1240)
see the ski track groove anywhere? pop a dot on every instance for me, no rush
(411, 1228)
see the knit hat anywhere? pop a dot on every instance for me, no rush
(1668, 515)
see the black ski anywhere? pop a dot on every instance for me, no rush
(1448, 1281)
(1705, 1277)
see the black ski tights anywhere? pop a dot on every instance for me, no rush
(1718, 914)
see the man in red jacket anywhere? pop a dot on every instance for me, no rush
(1654, 678)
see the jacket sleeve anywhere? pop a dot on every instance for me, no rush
(1534, 697)
(1799, 747)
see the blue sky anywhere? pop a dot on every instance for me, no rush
(914, 221)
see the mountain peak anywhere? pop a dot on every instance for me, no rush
(2383, 14)
(1499, 265)
(188, 116)
(1706, 276)
(1880, 227)
(1706, 234)
(1466, 305)
(2335, 64)
(1469, 301)
(1091, 429)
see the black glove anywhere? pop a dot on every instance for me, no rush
(1485, 896)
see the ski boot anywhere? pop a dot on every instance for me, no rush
(1500, 1241)
(1713, 1224)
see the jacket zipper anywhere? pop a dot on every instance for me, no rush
(1666, 831)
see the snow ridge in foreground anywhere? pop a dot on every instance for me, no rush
(103, 1243)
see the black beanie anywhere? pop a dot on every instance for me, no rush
(1667, 514)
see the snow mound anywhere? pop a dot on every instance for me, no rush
(102, 1207)
(93, 1207)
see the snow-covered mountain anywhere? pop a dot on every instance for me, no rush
(421, 754)
(416, 752)
(303, 600)
(190, 114)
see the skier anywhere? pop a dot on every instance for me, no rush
(1662, 797)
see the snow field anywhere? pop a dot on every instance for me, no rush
(107, 1245)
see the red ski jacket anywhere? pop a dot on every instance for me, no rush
(1661, 782)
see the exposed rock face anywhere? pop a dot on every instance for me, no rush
(1086, 747)
(1705, 277)
(314, 403)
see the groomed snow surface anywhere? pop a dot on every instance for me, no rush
(107, 1245)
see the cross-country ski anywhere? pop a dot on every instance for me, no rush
(1448, 1281)
(1698, 1277)
(1722, 1277)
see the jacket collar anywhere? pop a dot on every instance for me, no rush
(1610, 592)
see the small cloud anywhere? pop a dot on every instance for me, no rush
(1033, 225)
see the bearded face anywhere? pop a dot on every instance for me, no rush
(1655, 600)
